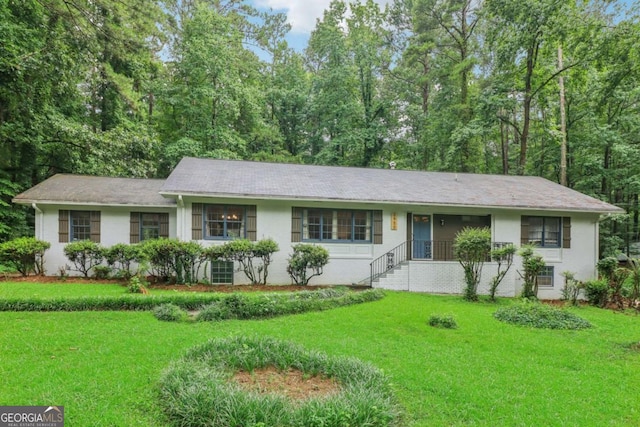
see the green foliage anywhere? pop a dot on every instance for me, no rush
(615, 276)
(171, 259)
(196, 390)
(306, 261)
(445, 321)
(84, 255)
(245, 252)
(170, 313)
(597, 292)
(472, 247)
(502, 256)
(532, 265)
(537, 315)
(101, 271)
(121, 256)
(25, 254)
(137, 285)
(572, 288)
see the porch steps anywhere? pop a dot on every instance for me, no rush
(396, 279)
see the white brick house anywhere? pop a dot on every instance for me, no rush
(393, 224)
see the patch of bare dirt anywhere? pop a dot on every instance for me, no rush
(291, 383)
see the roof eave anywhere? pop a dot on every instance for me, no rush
(389, 202)
(69, 202)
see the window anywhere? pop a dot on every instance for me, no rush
(222, 272)
(224, 222)
(544, 231)
(343, 225)
(79, 225)
(545, 278)
(149, 226)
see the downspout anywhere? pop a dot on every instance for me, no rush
(39, 221)
(180, 218)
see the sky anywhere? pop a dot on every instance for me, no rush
(302, 15)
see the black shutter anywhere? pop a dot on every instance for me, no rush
(63, 226)
(164, 225)
(196, 221)
(251, 223)
(134, 227)
(566, 232)
(377, 227)
(296, 225)
(95, 226)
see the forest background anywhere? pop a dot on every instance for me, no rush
(129, 87)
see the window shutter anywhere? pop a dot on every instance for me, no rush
(134, 228)
(566, 232)
(377, 227)
(251, 223)
(95, 226)
(524, 230)
(296, 224)
(196, 221)
(164, 225)
(63, 226)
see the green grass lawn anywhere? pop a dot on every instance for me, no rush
(104, 366)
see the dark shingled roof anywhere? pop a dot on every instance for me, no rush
(94, 190)
(231, 178)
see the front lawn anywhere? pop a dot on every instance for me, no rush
(104, 366)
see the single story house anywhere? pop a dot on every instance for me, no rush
(390, 228)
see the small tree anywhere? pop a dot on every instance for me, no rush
(84, 254)
(472, 248)
(121, 256)
(25, 254)
(572, 287)
(504, 258)
(615, 277)
(634, 297)
(244, 252)
(307, 261)
(532, 266)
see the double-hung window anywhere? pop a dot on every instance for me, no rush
(79, 225)
(224, 222)
(545, 231)
(340, 225)
(545, 278)
(149, 226)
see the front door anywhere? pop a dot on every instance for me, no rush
(421, 236)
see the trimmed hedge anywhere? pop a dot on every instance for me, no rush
(237, 305)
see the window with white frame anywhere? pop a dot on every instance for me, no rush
(79, 225)
(545, 278)
(339, 225)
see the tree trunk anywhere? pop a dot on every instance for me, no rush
(563, 124)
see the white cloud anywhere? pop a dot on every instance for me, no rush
(301, 14)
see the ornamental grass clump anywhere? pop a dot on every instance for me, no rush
(200, 388)
(170, 313)
(539, 315)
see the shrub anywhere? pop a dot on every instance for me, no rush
(537, 315)
(101, 271)
(446, 321)
(197, 390)
(170, 313)
(597, 292)
(307, 261)
(572, 288)
(245, 252)
(214, 312)
(504, 258)
(532, 265)
(172, 259)
(472, 247)
(84, 254)
(137, 285)
(25, 254)
(121, 257)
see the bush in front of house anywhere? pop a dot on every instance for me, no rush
(306, 262)
(25, 254)
(254, 257)
(503, 257)
(538, 315)
(472, 247)
(170, 313)
(532, 266)
(85, 255)
(197, 389)
(445, 321)
(172, 259)
(597, 292)
(121, 257)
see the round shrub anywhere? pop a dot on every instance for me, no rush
(214, 312)
(198, 389)
(169, 313)
(538, 315)
(445, 321)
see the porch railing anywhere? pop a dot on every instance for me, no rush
(428, 250)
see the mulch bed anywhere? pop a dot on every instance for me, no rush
(292, 383)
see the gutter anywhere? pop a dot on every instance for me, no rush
(40, 222)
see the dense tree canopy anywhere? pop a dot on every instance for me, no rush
(127, 88)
